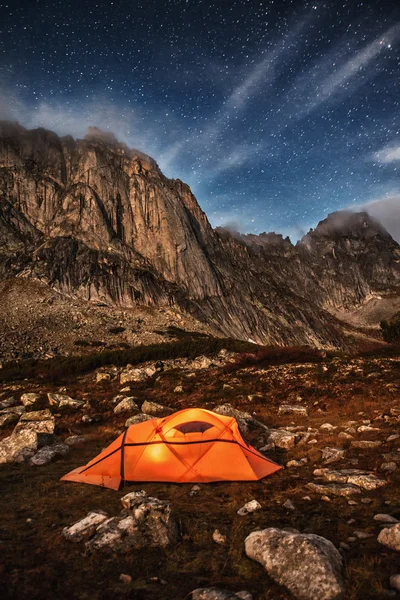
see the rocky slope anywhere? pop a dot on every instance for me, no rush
(99, 221)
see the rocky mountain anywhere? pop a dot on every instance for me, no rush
(99, 221)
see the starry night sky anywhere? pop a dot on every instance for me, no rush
(275, 112)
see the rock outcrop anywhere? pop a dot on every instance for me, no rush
(98, 220)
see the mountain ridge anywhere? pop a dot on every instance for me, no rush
(96, 219)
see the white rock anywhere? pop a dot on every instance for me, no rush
(289, 505)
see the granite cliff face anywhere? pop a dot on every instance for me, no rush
(100, 221)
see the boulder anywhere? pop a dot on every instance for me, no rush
(148, 522)
(21, 446)
(244, 419)
(334, 489)
(86, 527)
(332, 455)
(156, 410)
(14, 410)
(390, 537)
(137, 419)
(40, 421)
(128, 405)
(282, 439)
(365, 444)
(362, 479)
(47, 454)
(213, 593)
(75, 440)
(30, 400)
(308, 565)
(64, 402)
(131, 374)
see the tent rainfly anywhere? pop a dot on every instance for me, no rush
(193, 445)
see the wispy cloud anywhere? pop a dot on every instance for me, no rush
(315, 87)
(388, 154)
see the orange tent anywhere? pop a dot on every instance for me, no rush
(192, 445)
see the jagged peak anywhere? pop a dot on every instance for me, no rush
(346, 224)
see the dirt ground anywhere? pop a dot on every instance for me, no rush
(36, 562)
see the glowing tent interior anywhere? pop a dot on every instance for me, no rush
(192, 445)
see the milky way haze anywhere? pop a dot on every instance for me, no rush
(276, 113)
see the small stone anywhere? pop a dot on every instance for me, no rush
(178, 389)
(289, 505)
(249, 507)
(219, 538)
(195, 490)
(393, 437)
(102, 376)
(383, 518)
(125, 579)
(352, 503)
(325, 499)
(345, 436)
(47, 454)
(294, 463)
(363, 535)
(366, 500)
(344, 546)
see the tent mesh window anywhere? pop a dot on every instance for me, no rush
(193, 427)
